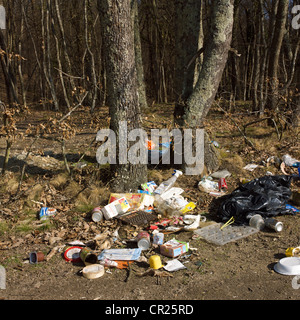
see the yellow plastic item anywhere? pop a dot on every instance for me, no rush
(155, 262)
(230, 221)
(292, 252)
(190, 206)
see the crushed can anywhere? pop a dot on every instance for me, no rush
(88, 257)
(46, 213)
(222, 184)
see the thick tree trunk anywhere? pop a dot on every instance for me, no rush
(195, 102)
(197, 105)
(118, 49)
(187, 39)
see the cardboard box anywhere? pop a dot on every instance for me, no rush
(136, 201)
(174, 248)
(115, 208)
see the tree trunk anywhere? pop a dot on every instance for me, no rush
(138, 55)
(275, 53)
(122, 89)
(197, 105)
(187, 39)
(296, 100)
(194, 105)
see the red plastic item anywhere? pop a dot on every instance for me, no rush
(69, 256)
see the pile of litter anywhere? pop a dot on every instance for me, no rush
(157, 211)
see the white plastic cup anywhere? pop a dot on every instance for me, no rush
(158, 238)
(257, 222)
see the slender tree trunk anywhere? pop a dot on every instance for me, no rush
(257, 61)
(122, 88)
(12, 95)
(46, 52)
(138, 54)
(235, 77)
(263, 66)
(273, 95)
(60, 68)
(64, 45)
(92, 75)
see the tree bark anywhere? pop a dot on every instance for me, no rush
(197, 105)
(119, 55)
(187, 40)
(138, 55)
(279, 30)
(195, 102)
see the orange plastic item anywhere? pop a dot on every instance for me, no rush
(123, 264)
(150, 145)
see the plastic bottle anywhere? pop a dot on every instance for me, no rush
(165, 186)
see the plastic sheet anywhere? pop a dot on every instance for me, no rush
(266, 196)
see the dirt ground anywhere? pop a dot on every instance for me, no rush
(240, 270)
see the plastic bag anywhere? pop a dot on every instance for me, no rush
(291, 162)
(266, 196)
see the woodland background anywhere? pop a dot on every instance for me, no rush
(52, 51)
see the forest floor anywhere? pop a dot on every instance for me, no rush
(239, 270)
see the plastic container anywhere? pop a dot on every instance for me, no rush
(257, 222)
(165, 186)
(288, 266)
(143, 240)
(158, 238)
(72, 254)
(93, 271)
(292, 252)
(214, 234)
(155, 262)
(35, 257)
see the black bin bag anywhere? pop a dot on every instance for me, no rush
(266, 196)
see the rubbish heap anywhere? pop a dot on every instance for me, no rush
(160, 210)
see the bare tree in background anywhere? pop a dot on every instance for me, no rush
(122, 86)
(191, 110)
